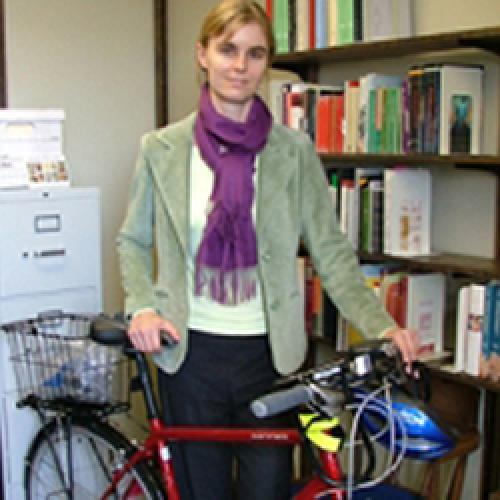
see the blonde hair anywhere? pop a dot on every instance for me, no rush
(229, 15)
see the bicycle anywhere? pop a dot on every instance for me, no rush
(67, 366)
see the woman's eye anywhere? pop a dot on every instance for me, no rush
(227, 48)
(258, 53)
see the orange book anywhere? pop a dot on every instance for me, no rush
(324, 124)
(337, 121)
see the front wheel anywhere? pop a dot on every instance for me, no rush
(96, 449)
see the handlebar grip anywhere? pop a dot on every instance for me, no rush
(280, 401)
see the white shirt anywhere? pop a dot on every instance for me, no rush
(245, 318)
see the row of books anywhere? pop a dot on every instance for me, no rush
(435, 109)
(414, 300)
(315, 24)
(478, 330)
(417, 301)
(385, 211)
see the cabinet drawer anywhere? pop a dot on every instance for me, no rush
(49, 244)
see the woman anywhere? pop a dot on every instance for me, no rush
(224, 197)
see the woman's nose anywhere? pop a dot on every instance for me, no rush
(241, 62)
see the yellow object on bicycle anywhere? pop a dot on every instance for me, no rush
(318, 431)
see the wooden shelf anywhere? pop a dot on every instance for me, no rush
(478, 162)
(466, 379)
(477, 267)
(483, 38)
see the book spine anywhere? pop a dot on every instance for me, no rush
(405, 117)
(345, 22)
(495, 345)
(487, 345)
(312, 24)
(269, 8)
(461, 330)
(337, 125)
(280, 25)
(292, 25)
(414, 83)
(332, 23)
(358, 20)
(324, 124)
(321, 27)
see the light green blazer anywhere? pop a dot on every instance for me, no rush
(293, 204)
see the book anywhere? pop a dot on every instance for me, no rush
(461, 328)
(385, 19)
(473, 316)
(416, 301)
(324, 123)
(489, 365)
(425, 309)
(445, 108)
(312, 24)
(321, 24)
(281, 25)
(349, 211)
(357, 19)
(460, 109)
(333, 189)
(369, 187)
(351, 114)
(416, 107)
(302, 25)
(345, 22)
(292, 25)
(393, 295)
(332, 23)
(368, 83)
(407, 212)
(295, 110)
(272, 90)
(269, 8)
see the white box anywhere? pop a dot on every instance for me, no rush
(31, 133)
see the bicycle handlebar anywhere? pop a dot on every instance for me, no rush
(324, 387)
(113, 332)
(281, 401)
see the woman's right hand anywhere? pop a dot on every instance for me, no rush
(145, 330)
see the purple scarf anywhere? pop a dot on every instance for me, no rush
(226, 262)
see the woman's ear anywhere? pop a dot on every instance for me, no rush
(201, 56)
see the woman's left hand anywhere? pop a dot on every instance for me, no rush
(407, 341)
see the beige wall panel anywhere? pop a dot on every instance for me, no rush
(94, 59)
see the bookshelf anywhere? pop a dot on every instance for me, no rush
(309, 60)
(308, 65)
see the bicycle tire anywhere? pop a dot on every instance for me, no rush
(97, 448)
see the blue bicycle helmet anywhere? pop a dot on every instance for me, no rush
(428, 437)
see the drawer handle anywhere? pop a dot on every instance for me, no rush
(56, 252)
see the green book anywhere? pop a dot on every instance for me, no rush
(281, 17)
(345, 21)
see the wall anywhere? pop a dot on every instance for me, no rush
(95, 60)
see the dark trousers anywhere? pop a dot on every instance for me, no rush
(214, 386)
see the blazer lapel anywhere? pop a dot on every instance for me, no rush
(275, 168)
(170, 166)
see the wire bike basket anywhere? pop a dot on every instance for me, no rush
(55, 362)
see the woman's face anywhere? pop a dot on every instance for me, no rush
(235, 65)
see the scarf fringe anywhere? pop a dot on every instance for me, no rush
(226, 287)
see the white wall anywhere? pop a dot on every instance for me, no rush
(95, 59)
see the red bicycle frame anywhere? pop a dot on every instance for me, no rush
(156, 447)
